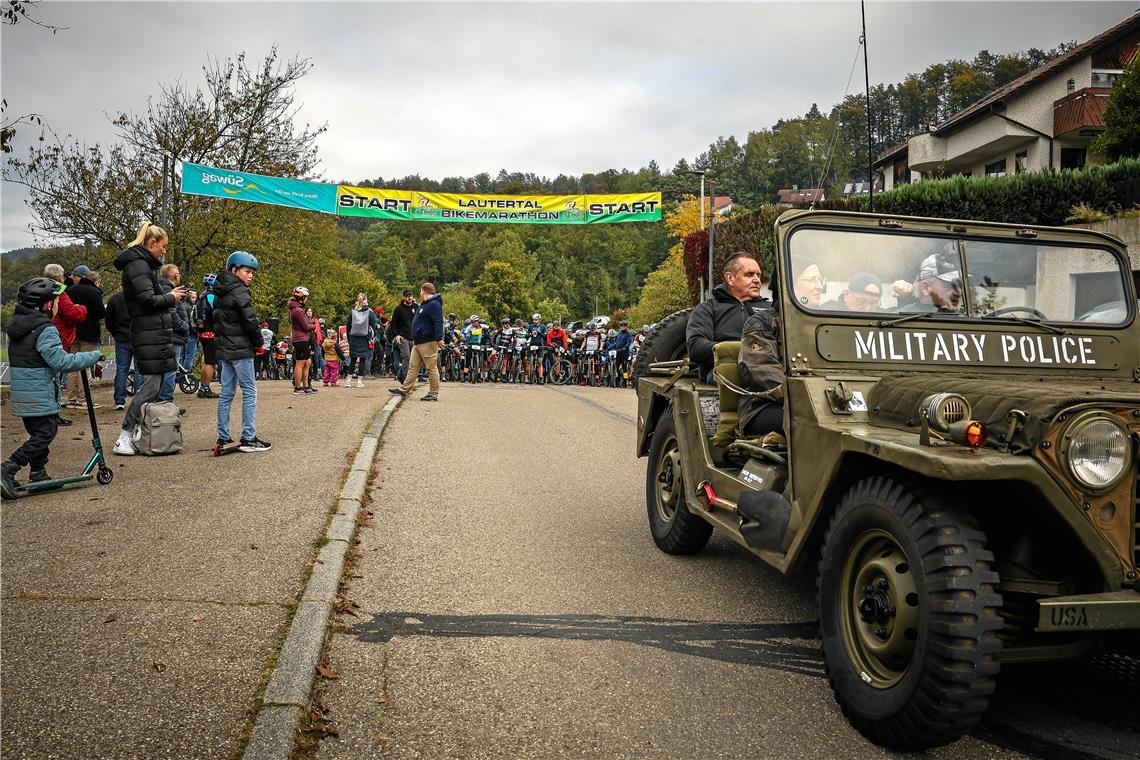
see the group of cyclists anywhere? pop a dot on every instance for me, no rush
(538, 353)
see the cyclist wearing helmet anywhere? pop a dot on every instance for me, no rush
(204, 324)
(536, 336)
(239, 334)
(302, 328)
(36, 359)
(622, 344)
(152, 327)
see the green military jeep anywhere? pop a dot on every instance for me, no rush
(959, 456)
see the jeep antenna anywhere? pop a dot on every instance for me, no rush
(867, 85)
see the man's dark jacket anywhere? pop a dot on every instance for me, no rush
(90, 295)
(152, 328)
(718, 319)
(178, 315)
(118, 320)
(427, 326)
(401, 323)
(236, 327)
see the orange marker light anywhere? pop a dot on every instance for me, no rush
(976, 434)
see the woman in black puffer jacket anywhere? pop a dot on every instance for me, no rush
(152, 331)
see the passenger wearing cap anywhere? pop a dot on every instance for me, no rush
(938, 287)
(864, 292)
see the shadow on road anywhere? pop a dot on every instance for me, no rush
(789, 647)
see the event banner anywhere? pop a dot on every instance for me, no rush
(223, 183)
(638, 207)
(409, 205)
(511, 209)
(374, 202)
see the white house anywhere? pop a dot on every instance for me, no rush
(1043, 119)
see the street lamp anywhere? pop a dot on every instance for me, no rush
(712, 233)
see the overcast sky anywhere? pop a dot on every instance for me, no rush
(457, 89)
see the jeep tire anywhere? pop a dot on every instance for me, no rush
(908, 613)
(663, 342)
(675, 529)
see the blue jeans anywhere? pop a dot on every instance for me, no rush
(188, 352)
(166, 393)
(234, 374)
(123, 356)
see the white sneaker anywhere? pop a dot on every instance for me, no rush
(348, 382)
(124, 446)
(360, 381)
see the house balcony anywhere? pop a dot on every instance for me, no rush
(1080, 113)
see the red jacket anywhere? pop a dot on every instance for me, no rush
(298, 322)
(66, 318)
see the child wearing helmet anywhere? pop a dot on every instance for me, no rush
(238, 336)
(36, 358)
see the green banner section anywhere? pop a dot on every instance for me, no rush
(258, 188)
(411, 205)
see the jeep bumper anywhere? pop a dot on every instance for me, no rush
(1111, 611)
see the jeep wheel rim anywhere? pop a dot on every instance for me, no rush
(879, 609)
(668, 480)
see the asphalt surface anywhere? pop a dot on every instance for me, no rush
(512, 604)
(139, 618)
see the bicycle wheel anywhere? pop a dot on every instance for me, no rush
(188, 384)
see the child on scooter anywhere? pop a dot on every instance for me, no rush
(36, 359)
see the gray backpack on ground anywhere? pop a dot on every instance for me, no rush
(160, 431)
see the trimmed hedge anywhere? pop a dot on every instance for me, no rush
(1039, 198)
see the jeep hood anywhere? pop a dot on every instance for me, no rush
(895, 399)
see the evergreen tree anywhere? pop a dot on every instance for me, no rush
(1121, 137)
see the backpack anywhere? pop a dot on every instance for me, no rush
(160, 431)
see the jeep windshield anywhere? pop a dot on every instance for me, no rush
(859, 273)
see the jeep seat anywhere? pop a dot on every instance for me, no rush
(725, 364)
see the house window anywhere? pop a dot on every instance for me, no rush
(1020, 159)
(1072, 158)
(996, 169)
(1105, 77)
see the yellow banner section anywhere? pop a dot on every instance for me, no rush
(374, 202)
(628, 207)
(470, 207)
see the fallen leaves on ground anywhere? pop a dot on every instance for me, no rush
(198, 618)
(326, 672)
(111, 617)
(387, 699)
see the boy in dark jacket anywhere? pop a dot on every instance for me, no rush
(36, 359)
(152, 329)
(119, 325)
(180, 327)
(237, 335)
(84, 292)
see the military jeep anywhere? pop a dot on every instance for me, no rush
(961, 465)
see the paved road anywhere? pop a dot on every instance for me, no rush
(512, 604)
(138, 618)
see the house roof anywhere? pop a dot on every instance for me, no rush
(1130, 24)
(892, 151)
(719, 202)
(800, 195)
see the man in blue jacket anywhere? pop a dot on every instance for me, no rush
(427, 340)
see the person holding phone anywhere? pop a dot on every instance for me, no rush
(152, 326)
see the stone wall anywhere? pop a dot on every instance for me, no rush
(1125, 228)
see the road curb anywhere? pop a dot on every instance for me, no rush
(290, 687)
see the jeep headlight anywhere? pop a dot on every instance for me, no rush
(1098, 452)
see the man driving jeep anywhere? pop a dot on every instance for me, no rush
(722, 317)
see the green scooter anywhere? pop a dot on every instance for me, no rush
(105, 474)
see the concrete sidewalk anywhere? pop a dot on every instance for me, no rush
(141, 619)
